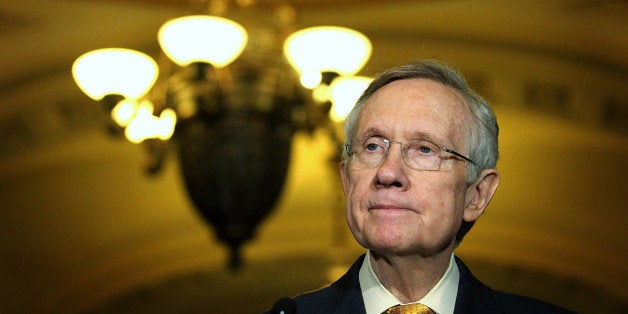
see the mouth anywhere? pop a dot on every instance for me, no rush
(388, 207)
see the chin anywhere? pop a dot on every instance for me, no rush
(393, 251)
(389, 247)
(405, 248)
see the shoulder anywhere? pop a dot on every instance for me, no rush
(311, 302)
(512, 303)
(476, 297)
(342, 296)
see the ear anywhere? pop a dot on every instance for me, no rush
(343, 175)
(480, 193)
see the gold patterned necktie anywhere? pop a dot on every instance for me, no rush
(415, 308)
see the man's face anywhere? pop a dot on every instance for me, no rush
(391, 208)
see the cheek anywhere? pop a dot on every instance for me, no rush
(443, 208)
(356, 194)
(355, 187)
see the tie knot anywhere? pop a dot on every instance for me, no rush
(414, 308)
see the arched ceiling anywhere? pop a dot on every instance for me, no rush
(40, 37)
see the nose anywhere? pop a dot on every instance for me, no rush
(392, 171)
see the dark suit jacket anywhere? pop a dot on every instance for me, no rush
(345, 296)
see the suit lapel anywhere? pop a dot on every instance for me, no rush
(473, 296)
(346, 296)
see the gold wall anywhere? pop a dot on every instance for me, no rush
(83, 228)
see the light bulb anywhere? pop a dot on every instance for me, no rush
(124, 111)
(140, 127)
(344, 92)
(311, 79)
(166, 124)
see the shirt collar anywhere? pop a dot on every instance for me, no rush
(441, 299)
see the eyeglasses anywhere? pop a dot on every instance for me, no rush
(417, 154)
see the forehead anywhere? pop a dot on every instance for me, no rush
(407, 107)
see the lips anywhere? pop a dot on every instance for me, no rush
(386, 207)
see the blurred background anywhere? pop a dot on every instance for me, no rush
(85, 228)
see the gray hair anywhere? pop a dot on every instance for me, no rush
(482, 132)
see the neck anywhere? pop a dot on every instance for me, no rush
(410, 278)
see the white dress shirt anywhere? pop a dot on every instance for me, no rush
(377, 299)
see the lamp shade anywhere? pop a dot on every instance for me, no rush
(202, 38)
(115, 71)
(344, 92)
(327, 49)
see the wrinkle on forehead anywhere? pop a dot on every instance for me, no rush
(440, 110)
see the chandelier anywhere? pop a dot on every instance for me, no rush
(229, 96)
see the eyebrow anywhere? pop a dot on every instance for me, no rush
(425, 136)
(419, 135)
(370, 132)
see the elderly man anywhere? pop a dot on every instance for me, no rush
(418, 171)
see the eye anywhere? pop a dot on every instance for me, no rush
(422, 148)
(371, 147)
(374, 145)
(425, 149)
